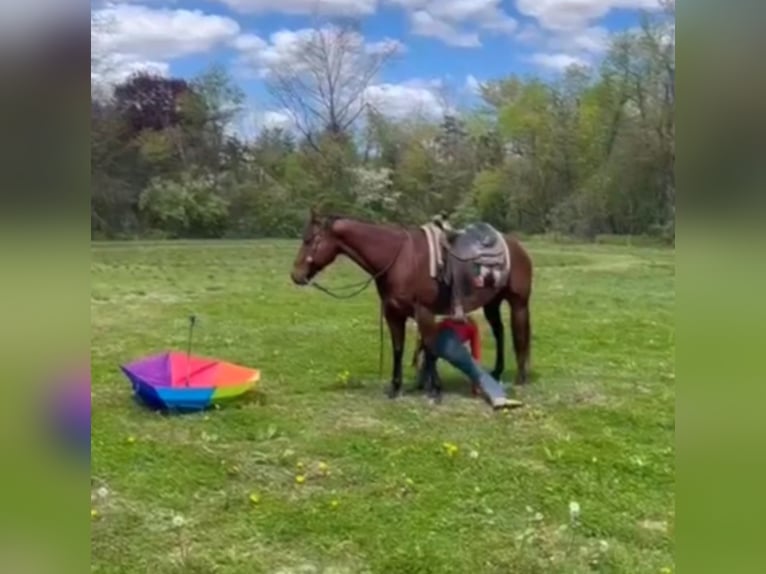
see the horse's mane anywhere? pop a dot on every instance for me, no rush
(331, 218)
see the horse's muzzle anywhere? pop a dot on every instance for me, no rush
(299, 278)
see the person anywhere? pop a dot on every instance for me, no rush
(446, 340)
(467, 332)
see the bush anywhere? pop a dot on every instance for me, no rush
(186, 208)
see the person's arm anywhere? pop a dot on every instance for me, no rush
(475, 341)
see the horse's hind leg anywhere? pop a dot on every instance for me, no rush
(520, 329)
(492, 315)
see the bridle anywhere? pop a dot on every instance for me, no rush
(361, 285)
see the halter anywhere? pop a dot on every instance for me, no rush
(361, 285)
(364, 284)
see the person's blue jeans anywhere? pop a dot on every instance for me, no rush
(450, 348)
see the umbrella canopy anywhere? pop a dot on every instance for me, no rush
(176, 380)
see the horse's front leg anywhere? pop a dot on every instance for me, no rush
(396, 323)
(434, 382)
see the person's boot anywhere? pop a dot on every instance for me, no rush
(505, 403)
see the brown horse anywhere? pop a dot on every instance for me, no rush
(397, 261)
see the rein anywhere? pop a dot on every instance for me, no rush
(364, 284)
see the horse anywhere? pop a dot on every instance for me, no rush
(397, 260)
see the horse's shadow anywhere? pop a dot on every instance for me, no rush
(452, 383)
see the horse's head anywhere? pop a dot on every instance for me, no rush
(318, 249)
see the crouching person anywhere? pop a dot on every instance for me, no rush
(445, 341)
(425, 361)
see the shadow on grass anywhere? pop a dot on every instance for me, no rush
(254, 397)
(452, 384)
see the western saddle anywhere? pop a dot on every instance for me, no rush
(474, 257)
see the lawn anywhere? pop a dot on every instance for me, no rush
(219, 491)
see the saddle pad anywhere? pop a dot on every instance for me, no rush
(435, 255)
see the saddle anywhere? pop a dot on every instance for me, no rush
(474, 257)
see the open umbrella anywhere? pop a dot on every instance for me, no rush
(182, 381)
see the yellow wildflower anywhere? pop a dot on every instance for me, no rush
(334, 504)
(300, 479)
(452, 449)
(255, 498)
(93, 513)
(131, 439)
(323, 467)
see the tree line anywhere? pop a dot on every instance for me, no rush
(588, 153)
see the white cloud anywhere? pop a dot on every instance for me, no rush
(558, 62)
(472, 84)
(576, 14)
(127, 38)
(485, 14)
(592, 40)
(425, 24)
(408, 99)
(285, 48)
(319, 7)
(162, 33)
(457, 22)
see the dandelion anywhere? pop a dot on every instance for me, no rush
(323, 467)
(450, 448)
(334, 504)
(93, 513)
(178, 521)
(574, 510)
(255, 498)
(299, 466)
(131, 439)
(300, 479)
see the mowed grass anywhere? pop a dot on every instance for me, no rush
(172, 493)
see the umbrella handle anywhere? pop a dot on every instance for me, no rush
(192, 322)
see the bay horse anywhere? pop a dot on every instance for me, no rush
(397, 260)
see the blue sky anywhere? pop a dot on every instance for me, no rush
(451, 43)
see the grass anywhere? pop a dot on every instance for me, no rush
(172, 493)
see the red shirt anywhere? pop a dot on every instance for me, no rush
(467, 331)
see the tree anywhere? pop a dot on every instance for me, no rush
(325, 82)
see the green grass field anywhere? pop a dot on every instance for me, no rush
(173, 493)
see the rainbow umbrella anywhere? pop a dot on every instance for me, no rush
(181, 381)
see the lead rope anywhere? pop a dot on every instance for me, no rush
(364, 285)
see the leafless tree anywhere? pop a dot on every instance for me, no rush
(324, 82)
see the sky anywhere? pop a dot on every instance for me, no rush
(443, 46)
